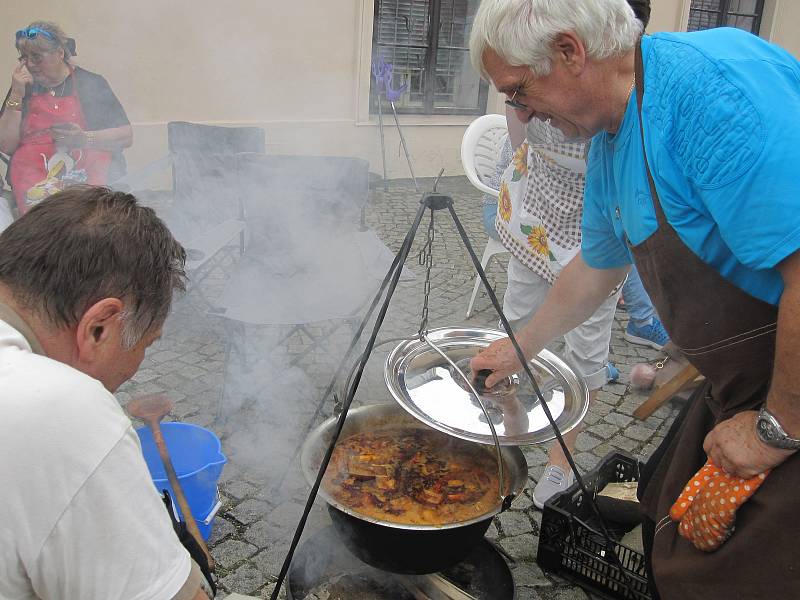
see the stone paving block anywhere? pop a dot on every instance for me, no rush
(617, 419)
(246, 579)
(144, 375)
(270, 559)
(522, 502)
(239, 490)
(600, 408)
(232, 552)
(250, 511)
(529, 574)
(221, 529)
(639, 432)
(586, 461)
(535, 456)
(624, 443)
(514, 523)
(566, 593)
(527, 593)
(586, 442)
(287, 514)
(591, 418)
(521, 547)
(608, 397)
(604, 431)
(266, 591)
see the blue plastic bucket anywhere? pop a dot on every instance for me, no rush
(197, 456)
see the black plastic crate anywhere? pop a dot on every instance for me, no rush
(573, 549)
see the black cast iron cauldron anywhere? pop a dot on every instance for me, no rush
(409, 549)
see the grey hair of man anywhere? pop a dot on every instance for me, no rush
(85, 244)
(522, 32)
(42, 43)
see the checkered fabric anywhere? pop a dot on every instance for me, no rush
(545, 194)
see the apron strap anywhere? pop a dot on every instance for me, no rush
(639, 76)
(12, 318)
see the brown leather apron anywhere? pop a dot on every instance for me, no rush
(729, 336)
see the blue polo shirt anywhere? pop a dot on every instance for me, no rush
(721, 117)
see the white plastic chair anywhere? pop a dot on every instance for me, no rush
(480, 149)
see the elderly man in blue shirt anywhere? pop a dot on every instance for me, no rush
(692, 176)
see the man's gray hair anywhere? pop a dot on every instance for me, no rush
(522, 32)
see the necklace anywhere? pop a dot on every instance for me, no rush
(63, 85)
(612, 138)
(630, 91)
(52, 91)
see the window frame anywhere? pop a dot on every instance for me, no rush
(429, 65)
(724, 12)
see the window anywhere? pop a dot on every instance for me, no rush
(744, 14)
(427, 42)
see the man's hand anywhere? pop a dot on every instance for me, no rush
(20, 78)
(735, 446)
(68, 134)
(500, 358)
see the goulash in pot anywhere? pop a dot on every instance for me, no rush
(413, 476)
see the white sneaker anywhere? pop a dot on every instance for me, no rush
(553, 481)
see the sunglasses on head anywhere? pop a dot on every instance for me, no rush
(32, 32)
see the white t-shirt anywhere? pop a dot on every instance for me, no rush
(79, 516)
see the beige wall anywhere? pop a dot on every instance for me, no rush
(298, 69)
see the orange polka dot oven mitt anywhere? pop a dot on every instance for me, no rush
(706, 508)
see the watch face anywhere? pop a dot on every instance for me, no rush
(765, 429)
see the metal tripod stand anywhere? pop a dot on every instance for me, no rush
(432, 202)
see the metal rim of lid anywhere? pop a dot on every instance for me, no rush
(404, 362)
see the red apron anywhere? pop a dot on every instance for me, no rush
(29, 161)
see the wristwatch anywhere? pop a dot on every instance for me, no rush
(770, 432)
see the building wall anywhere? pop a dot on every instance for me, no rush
(298, 69)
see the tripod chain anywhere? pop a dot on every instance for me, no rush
(426, 260)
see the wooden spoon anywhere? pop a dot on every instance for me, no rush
(151, 409)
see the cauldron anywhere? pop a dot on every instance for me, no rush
(400, 548)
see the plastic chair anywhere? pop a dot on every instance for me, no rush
(308, 269)
(206, 213)
(480, 149)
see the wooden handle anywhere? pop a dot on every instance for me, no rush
(191, 524)
(683, 378)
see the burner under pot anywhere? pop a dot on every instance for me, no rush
(323, 569)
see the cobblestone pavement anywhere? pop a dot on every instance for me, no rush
(265, 391)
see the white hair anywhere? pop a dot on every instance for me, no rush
(522, 32)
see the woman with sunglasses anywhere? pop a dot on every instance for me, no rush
(60, 123)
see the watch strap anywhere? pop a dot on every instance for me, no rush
(771, 432)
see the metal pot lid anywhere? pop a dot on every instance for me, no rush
(427, 386)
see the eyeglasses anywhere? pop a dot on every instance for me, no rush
(33, 59)
(32, 32)
(516, 104)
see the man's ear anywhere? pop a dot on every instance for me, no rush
(570, 51)
(100, 324)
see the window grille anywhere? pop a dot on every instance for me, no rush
(427, 42)
(744, 14)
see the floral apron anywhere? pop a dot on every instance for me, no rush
(729, 336)
(29, 163)
(539, 211)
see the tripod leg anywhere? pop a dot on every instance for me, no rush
(394, 275)
(405, 148)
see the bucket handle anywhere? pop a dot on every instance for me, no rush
(213, 513)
